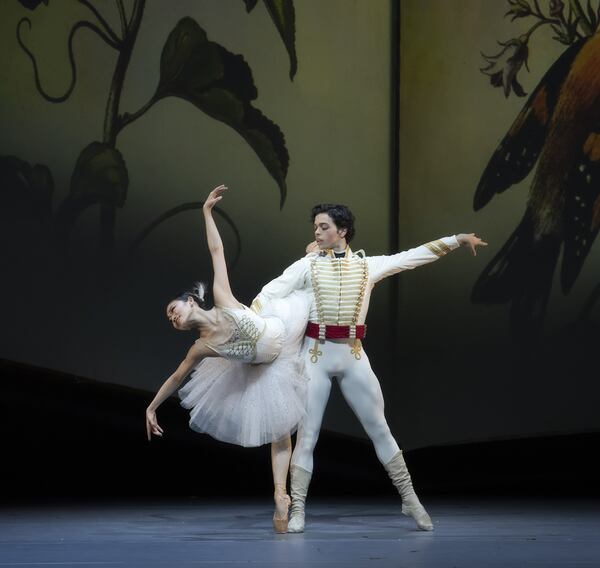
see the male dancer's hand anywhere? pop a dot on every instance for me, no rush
(471, 241)
(312, 247)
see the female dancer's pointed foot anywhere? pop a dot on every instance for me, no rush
(419, 514)
(282, 505)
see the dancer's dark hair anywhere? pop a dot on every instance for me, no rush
(340, 214)
(199, 293)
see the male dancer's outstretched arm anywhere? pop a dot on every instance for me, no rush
(381, 267)
(296, 276)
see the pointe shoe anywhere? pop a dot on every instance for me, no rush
(419, 514)
(282, 503)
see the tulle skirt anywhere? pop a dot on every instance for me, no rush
(254, 404)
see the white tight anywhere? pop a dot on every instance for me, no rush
(360, 388)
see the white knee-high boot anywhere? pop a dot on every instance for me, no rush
(411, 506)
(299, 481)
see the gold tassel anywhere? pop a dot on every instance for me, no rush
(356, 349)
(315, 352)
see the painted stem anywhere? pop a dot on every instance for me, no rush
(111, 118)
(102, 20)
(538, 24)
(77, 26)
(123, 17)
(180, 209)
(116, 87)
(126, 119)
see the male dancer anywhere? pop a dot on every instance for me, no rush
(341, 282)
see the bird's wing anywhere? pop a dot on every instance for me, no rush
(519, 149)
(582, 209)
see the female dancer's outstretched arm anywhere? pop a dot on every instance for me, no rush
(223, 297)
(195, 354)
(221, 289)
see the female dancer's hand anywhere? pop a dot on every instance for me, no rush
(152, 426)
(213, 197)
(471, 241)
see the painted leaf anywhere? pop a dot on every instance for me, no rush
(250, 4)
(26, 188)
(100, 173)
(100, 177)
(592, 16)
(32, 4)
(188, 60)
(220, 84)
(283, 14)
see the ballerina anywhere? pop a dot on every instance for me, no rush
(247, 385)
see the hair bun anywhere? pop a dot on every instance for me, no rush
(199, 290)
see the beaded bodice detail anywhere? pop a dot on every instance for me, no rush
(247, 329)
(339, 286)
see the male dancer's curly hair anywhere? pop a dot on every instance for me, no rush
(340, 214)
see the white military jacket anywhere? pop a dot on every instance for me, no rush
(342, 286)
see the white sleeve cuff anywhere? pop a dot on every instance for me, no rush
(452, 242)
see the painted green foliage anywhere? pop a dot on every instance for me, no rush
(193, 68)
(32, 4)
(220, 84)
(27, 187)
(284, 17)
(100, 177)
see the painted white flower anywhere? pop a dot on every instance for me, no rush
(503, 67)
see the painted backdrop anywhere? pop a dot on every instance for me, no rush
(211, 93)
(499, 113)
(137, 112)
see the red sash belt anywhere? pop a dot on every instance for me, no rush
(321, 331)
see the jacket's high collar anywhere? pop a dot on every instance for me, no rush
(330, 253)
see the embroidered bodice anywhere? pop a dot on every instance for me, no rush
(247, 328)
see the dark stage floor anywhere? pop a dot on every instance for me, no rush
(473, 533)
